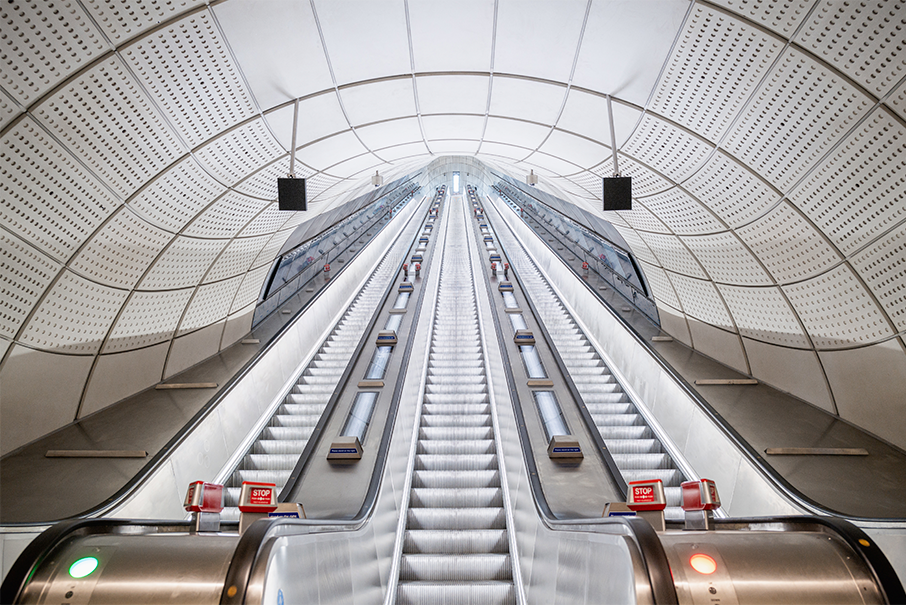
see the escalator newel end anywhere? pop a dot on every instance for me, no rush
(700, 499)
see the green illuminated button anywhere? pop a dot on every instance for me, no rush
(83, 567)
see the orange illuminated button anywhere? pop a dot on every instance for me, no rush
(703, 564)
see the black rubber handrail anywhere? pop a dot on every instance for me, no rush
(769, 472)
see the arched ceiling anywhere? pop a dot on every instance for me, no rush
(141, 143)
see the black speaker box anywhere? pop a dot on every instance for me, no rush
(291, 194)
(617, 193)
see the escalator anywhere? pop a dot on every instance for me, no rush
(634, 446)
(456, 546)
(275, 452)
(454, 512)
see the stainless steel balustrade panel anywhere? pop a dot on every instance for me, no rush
(455, 548)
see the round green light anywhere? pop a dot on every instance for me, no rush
(83, 567)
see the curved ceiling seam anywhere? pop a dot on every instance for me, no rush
(418, 109)
(572, 72)
(487, 105)
(333, 77)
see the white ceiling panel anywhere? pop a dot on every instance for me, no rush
(526, 99)
(682, 213)
(48, 198)
(452, 94)
(106, 118)
(538, 38)
(268, 221)
(782, 18)
(330, 151)
(120, 25)
(277, 46)
(453, 127)
(9, 109)
(237, 258)
(319, 116)
(42, 45)
(202, 92)
(227, 217)
(234, 155)
(864, 40)
(732, 192)
(881, 266)
(452, 36)
(353, 166)
(377, 101)
(515, 132)
(575, 149)
(182, 264)
(716, 64)
(454, 147)
(727, 260)
(794, 118)
(701, 300)
(398, 152)
(788, 245)
(673, 152)
(556, 165)
(120, 252)
(640, 217)
(250, 288)
(625, 45)
(390, 133)
(837, 311)
(148, 318)
(586, 114)
(672, 254)
(510, 152)
(177, 195)
(365, 40)
(210, 303)
(860, 191)
(897, 100)
(765, 315)
(74, 316)
(26, 274)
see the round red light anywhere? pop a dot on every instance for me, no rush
(703, 564)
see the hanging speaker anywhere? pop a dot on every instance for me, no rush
(291, 194)
(617, 193)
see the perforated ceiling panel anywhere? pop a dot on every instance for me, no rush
(141, 143)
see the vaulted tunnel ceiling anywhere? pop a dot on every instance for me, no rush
(141, 143)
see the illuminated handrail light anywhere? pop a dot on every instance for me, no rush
(83, 567)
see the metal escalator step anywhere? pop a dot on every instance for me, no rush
(642, 461)
(290, 420)
(617, 420)
(634, 446)
(306, 388)
(455, 420)
(276, 446)
(463, 388)
(471, 398)
(292, 406)
(269, 462)
(287, 433)
(610, 408)
(455, 433)
(440, 593)
(455, 541)
(278, 477)
(456, 518)
(446, 462)
(456, 568)
(444, 446)
(459, 497)
(447, 479)
(456, 408)
(671, 477)
(639, 431)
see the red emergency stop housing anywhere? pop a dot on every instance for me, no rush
(327, 267)
(700, 495)
(646, 495)
(258, 497)
(204, 497)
